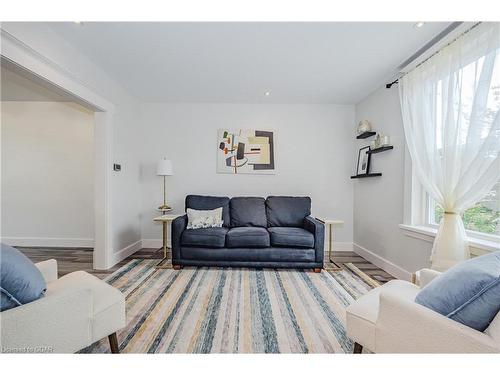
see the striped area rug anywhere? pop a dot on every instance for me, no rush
(212, 310)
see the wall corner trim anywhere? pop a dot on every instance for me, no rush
(383, 263)
(127, 251)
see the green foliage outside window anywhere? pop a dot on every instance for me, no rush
(480, 218)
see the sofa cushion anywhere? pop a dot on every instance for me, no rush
(287, 211)
(291, 237)
(21, 281)
(468, 293)
(204, 202)
(204, 237)
(248, 212)
(247, 237)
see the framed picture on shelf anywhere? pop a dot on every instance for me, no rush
(363, 166)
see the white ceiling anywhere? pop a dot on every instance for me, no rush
(339, 62)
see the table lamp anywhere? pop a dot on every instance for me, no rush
(164, 169)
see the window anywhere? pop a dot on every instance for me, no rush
(450, 106)
(483, 218)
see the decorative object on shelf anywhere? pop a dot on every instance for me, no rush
(363, 166)
(364, 126)
(164, 169)
(380, 141)
(385, 141)
(245, 151)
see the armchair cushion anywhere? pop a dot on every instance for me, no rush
(21, 281)
(48, 268)
(468, 293)
(362, 314)
(108, 303)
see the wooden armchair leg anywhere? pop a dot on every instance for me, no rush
(177, 267)
(113, 343)
(357, 348)
(317, 270)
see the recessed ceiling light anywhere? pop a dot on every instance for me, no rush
(78, 22)
(267, 93)
(418, 25)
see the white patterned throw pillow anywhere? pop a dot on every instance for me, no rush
(204, 218)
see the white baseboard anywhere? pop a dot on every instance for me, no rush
(153, 243)
(340, 246)
(125, 252)
(48, 242)
(383, 263)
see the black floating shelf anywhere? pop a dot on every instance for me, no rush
(367, 175)
(365, 135)
(380, 149)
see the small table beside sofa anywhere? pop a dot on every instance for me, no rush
(276, 232)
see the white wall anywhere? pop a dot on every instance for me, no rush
(125, 189)
(314, 156)
(47, 174)
(378, 201)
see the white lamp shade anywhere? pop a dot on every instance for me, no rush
(164, 168)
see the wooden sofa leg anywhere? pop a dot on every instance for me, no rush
(317, 270)
(177, 267)
(357, 348)
(113, 343)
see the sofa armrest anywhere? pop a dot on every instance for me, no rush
(60, 322)
(317, 228)
(48, 268)
(425, 276)
(179, 225)
(404, 326)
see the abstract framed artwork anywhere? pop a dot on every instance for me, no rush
(363, 166)
(245, 151)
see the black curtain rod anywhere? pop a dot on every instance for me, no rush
(389, 85)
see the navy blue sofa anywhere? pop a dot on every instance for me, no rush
(275, 232)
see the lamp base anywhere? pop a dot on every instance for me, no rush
(164, 207)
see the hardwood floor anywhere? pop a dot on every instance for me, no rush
(76, 259)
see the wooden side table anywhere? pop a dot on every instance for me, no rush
(330, 223)
(165, 220)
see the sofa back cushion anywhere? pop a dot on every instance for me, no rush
(248, 212)
(468, 293)
(21, 281)
(205, 202)
(287, 211)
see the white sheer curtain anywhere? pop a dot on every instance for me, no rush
(450, 106)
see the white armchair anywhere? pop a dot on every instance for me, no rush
(387, 320)
(77, 310)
